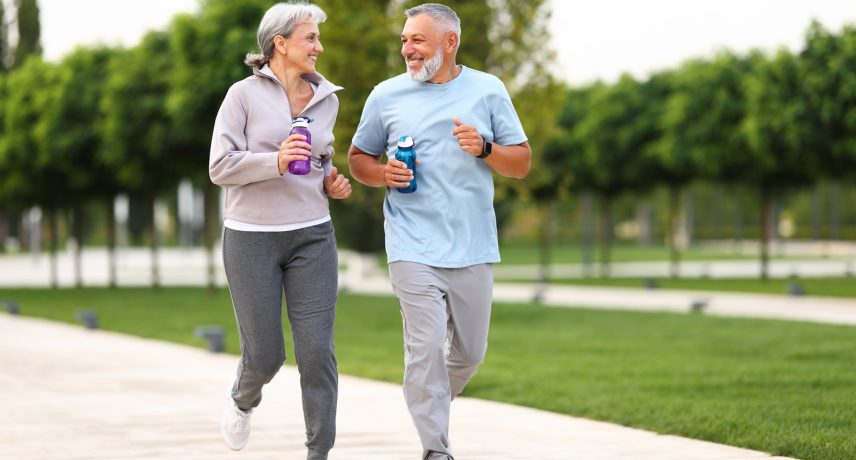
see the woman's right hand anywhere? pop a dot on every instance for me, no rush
(294, 148)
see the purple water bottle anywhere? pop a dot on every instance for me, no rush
(300, 125)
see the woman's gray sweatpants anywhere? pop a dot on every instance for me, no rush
(303, 262)
(446, 315)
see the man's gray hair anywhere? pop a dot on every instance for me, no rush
(281, 19)
(445, 17)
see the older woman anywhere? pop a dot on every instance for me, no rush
(278, 233)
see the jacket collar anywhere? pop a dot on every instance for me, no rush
(323, 87)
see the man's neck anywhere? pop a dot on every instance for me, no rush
(446, 73)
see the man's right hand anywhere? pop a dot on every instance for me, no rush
(396, 174)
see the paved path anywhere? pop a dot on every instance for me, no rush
(72, 394)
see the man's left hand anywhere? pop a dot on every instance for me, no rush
(468, 136)
(337, 185)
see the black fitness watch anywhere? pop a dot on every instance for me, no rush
(486, 149)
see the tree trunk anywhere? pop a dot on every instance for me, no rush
(4, 231)
(834, 213)
(53, 237)
(153, 244)
(77, 231)
(110, 215)
(688, 218)
(587, 221)
(546, 241)
(210, 232)
(672, 229)
(718, 212)
(815, 213)
(766, 216)
(643, 223)
(605, 232)
(738, 221)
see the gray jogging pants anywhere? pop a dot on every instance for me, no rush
(303, 262)
(446, 314)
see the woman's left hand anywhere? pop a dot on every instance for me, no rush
(337, 186)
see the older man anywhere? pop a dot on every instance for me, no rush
(441, 240)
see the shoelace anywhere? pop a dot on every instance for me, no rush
(240, 423)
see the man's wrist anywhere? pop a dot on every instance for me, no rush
(487, 149)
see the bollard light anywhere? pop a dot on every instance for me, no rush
(698, 305)
(214, 336)
(89, 318)
(795, 289)
(11, 307)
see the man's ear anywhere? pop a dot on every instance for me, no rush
(451, 42)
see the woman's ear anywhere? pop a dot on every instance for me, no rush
(279, 43)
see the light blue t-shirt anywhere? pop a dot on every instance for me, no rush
(449, 222)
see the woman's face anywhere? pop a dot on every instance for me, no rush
(304, 46)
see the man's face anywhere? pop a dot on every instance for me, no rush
(421, 46)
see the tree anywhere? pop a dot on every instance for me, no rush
(674, 148)
(825, 66)
(538, 107)
(207, 53)
(613, 134)
(29, 31)
(776, 134)
(141, 141)
(22, 157)
(69, 139)
(359, 219)
(565, 151)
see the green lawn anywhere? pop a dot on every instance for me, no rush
(788, 388)
(573, 254)
(825, 287)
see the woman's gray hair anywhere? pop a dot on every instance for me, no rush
(281, 19)
(445, 17)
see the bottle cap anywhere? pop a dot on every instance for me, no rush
(300, 122)
(405, 141)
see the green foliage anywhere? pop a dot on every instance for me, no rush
(29, 31)
(703, 119)
(359, 219)
(22, 158)
(140, 138)
(827, 72)
(68, 139)
(207, 53)
(774, 123)
(612, 135)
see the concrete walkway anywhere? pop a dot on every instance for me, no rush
(73, 394)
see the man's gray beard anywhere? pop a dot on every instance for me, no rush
(429, 68)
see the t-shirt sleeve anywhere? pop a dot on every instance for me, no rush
(371, 136)
(506, 126)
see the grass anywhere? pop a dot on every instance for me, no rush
(513, 254)
(781, 387)
(824, 287)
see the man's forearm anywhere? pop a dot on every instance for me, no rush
(510, 160)
(365, 168)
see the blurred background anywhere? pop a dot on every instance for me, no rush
(665, 127)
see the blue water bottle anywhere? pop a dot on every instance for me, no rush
(407, 154)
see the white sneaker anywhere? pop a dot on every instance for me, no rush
(235, 425)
